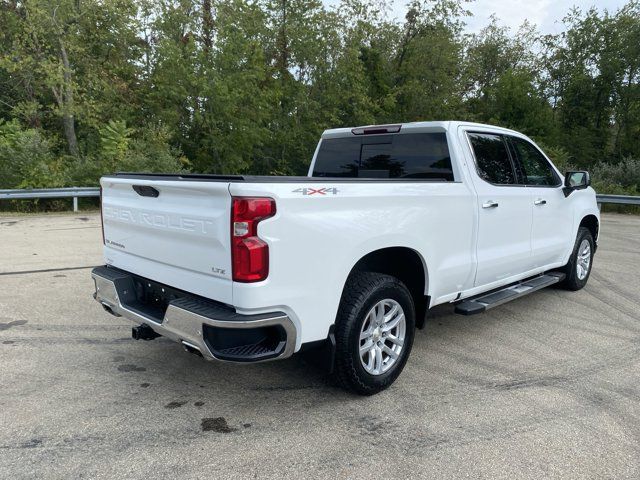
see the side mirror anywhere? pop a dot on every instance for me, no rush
(576, 181)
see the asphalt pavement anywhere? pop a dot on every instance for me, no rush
(547, 386)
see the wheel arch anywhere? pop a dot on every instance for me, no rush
(592, 224)
(404, 263)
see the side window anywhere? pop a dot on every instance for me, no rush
(535, 167)
(492, 158)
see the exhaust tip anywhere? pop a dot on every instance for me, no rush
(109, 309)
(191, 348)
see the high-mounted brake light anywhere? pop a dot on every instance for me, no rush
(249, 253)
(376, 129)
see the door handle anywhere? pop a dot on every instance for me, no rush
(540, 201)
(490, 204)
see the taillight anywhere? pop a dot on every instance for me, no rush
(101, 219)
(249, 253)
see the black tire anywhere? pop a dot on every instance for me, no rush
(572, 281)
(363, 291)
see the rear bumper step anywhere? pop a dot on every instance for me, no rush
(486, 301)
(202, 326)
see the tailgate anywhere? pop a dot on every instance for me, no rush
(173, 231)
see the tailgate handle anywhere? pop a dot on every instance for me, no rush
(146, 191)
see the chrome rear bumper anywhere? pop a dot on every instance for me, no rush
(197, 323)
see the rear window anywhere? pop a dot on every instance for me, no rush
(492, 159)
(412, 155)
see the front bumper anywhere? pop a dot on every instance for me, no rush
(214, 330)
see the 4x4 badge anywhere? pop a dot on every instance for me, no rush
(316, 191)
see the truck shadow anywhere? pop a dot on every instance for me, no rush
(181, 371)
(443, 349)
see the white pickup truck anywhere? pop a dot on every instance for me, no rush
(390, 221)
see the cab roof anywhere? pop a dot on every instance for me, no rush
(415, 127)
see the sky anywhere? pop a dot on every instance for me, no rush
(545, 14)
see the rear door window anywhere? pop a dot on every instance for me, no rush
(492, 158)
(409, 155)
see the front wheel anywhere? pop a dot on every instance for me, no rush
(578, 269)
(374, 332)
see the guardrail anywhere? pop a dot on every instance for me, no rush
(77, 192)
(74, 192)
(617, 199)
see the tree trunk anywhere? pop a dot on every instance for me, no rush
(207, 25)
(283, 43)
(622, 117)
(66, 98)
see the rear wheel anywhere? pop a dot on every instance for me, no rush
(374, 332)
(578, 269)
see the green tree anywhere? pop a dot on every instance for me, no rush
(428, 82)
(237, 86)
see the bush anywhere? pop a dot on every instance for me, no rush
(150, 152)
(26, 159)
(625, 174)
(123, 150)
(84, 171)
(618, 179)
